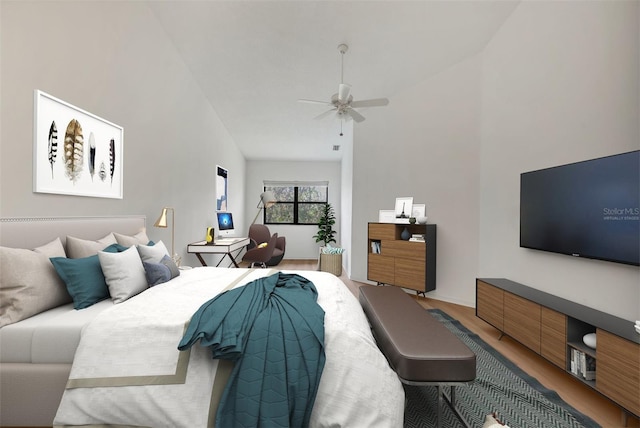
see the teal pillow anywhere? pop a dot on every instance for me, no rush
(84, 278)
(157, 273)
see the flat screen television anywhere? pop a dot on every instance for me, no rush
(225, 223)
(586, 209)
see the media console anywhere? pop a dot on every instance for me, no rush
(554, 327)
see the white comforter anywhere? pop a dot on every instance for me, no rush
(127, 369)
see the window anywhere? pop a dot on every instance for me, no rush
(298, 202)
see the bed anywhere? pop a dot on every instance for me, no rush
(38, 353)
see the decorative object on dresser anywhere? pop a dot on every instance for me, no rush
(89, 159)
(404, 207)
(419, 210)
(554, 328)
(162, 223)
(406, 212)
(405, 235)
(408, 264)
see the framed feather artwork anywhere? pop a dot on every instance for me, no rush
(75, 152)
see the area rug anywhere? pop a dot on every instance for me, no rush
(500, 386)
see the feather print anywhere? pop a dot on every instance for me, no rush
(92, 155)
(73, 150)
(103, 171)
(112, 157)
(53, 144)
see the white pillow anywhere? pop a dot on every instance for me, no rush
(153, 253)
(129, 241)
(79, 248)
(123, 273)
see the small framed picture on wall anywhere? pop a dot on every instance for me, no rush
(222, 198)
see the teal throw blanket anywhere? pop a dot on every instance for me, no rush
(274, 331)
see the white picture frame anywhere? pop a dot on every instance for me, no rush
(90, 163)
(404, 207)
(222, 186)
(418, 210)
(386, 216)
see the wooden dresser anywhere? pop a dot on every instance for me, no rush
(395, 261)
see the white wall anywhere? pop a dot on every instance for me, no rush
(346, 202)
(300, 241)
(425, 144)
(114, 60)
(560, 85)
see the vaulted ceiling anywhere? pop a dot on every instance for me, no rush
(254, 59)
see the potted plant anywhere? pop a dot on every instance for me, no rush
(330, 257)
(326, 234)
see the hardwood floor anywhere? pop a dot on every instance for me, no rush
(578, 395)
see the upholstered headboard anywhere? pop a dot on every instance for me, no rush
(33, 232)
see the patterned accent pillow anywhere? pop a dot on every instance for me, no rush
(157, 273)
(152, 253)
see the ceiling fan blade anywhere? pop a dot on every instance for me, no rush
(314, 102)
(325, 114)
(376, 102)
(343, 92)
(355, 115)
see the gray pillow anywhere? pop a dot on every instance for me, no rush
(153, 253)
(129, 241)
(157, 273)
(28, 285)
(52, 249)
(123, 273)
(79, 248)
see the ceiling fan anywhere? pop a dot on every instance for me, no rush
(342, 102)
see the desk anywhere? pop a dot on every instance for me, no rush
(225, 246)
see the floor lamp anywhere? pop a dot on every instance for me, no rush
(267, 199)
(162, 222)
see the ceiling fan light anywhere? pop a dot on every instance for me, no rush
(343, 93)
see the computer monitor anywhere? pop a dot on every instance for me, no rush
(225, 224)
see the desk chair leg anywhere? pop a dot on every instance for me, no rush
(262, 265)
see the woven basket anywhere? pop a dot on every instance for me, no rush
(331, 263)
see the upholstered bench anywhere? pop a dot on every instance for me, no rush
(418, 347)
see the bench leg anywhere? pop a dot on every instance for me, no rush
(451, 400)
(453, 396)
(440, 404)
(443, 399)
